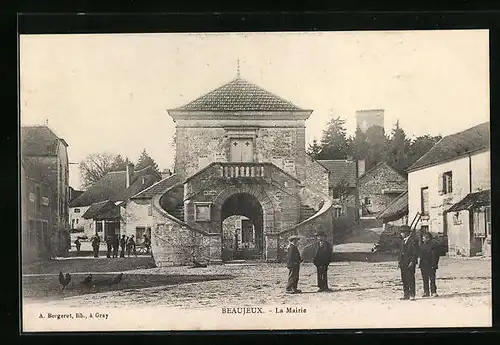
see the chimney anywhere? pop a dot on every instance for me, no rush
(165, 173)
(361, 167)
(129, 172)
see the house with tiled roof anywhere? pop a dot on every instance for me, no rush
(449, 191)
(99, 209)
(240, 151)
(45, 154)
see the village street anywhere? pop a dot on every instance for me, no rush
(364, 295)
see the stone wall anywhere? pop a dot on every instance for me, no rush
(373, 184)
(316, 175)
(175, 243)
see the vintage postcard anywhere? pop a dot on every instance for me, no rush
(255, 181)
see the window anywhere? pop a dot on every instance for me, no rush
(77, 221)
(140, 231)
(367, 201)
(337, 212)
(202, 212)
(77, 210)
(72, 223)
(447, 182)
(424, 201)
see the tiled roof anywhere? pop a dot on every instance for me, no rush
(157, 188)
(396, 209)
(95, 208)
(456, 145)
(477, 199)
(38, 141)
(341, 170)
(105, 189)
(112, 186)
(136, 187)
(240, 95)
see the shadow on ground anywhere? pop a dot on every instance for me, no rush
(74, 265)
(48, 287)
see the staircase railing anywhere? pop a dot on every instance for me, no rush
(416, 219)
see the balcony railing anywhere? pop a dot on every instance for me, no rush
(231, 170)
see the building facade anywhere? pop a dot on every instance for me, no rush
(240, 151)
(449, 190)
(36, 215)
(42, 148)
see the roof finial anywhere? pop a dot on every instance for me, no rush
(238, 69)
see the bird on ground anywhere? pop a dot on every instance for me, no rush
(64, 280)
(87, 282)
(116, 280)
(198, 264)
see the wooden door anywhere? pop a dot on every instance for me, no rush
(241, 150)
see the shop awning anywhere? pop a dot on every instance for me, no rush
(472, 200)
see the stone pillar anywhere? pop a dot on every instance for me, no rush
(271, 247)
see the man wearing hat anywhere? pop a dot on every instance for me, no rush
(293, 265)
(408, 256)
(322, 259)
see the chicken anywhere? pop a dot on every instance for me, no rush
(198, 264)
(64, 280)
(116, 280)
(87, 282)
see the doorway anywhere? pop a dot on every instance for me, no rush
(241, 150)
(242, 228)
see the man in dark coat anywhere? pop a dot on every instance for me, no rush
(293, 265)
(116, 245)
(96, 242)
(322, 259)
(408, 256)
(123, 244)
(429, 259)
(109, 246)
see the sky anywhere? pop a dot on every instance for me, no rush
(110, 92)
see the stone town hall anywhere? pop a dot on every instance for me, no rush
(240, 150)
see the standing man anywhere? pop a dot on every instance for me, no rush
(78, 245)
(123, 243)
(116, 245)
(96, 242)
(322, 259)
(408, 256)
(293, 265)
(109, 246)
(429, 259)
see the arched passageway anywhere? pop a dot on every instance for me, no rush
(242, 224)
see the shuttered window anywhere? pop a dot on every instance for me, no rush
(424, 200)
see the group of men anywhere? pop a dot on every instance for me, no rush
(113, 244)
(410, 253)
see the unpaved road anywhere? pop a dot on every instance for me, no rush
(365, 295)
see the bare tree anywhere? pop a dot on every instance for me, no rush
(95, 166)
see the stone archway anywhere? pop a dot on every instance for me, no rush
(251, 203)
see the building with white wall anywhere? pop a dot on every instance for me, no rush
(449, 190)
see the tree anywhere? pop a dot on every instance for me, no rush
(95, 166)
(419, 146)
(145, 160)
(334, 142)
(314, 149)
(396, 154)
(376, 145)
(359, 145)
(341, 190)
(120, 164)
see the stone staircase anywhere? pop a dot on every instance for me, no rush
(306, 212)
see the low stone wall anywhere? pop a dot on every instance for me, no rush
(175, 243)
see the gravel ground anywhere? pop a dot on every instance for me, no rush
(363, 291)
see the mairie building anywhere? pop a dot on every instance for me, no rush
(240, 151)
